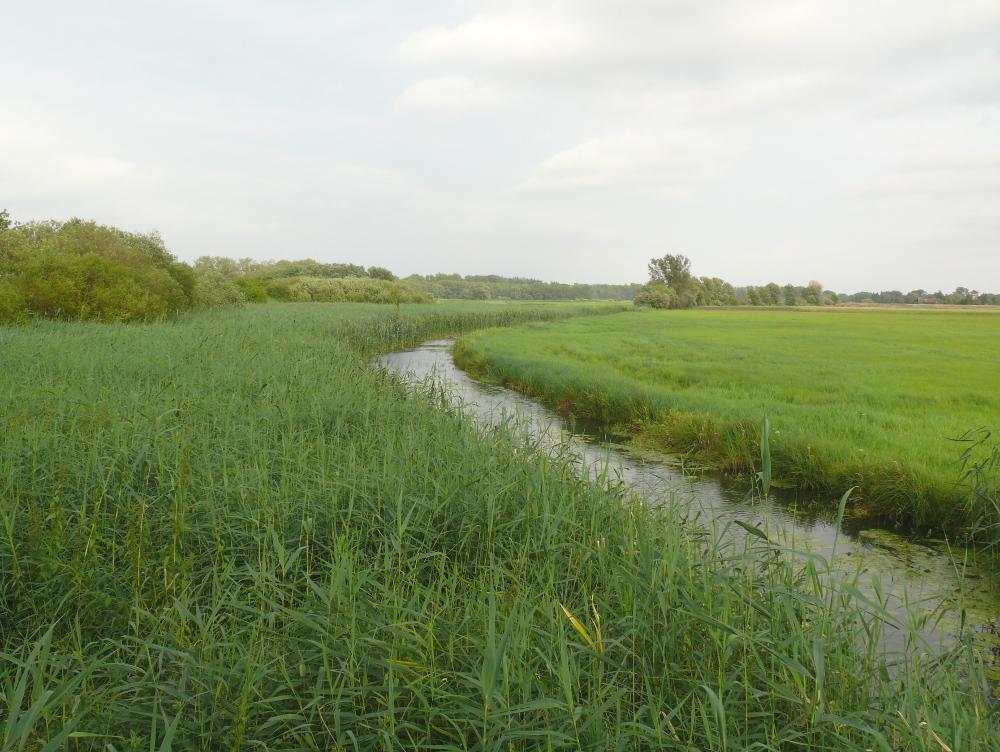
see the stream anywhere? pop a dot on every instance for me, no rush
(926, 582)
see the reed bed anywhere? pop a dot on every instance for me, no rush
(885, 400)
(229, 532)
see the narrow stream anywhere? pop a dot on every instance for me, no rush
(935, 580)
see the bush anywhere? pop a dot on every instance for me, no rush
(349, 290)
(253, 290)
(656, 295)
(82, 270)
(279, 289)
(214, 290)
(12, 305)
(90, 286)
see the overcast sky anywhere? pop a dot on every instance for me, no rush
(852, 141)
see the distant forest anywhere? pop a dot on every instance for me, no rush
(491, 286)
(672, 285)
(81, 270)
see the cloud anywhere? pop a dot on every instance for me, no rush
(539, 137)
(663, 161)
(453, 93)
(41, 159)
(968, 174)
(592, 46)
(532, 36)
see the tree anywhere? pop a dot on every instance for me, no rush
(674, 271)
(790, 296)
(770, 294)
(715, 292)
(5, 223)
(380, 272)
(656, 295)
(813, 294)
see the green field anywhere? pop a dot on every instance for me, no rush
(871, 398)
(230, 532)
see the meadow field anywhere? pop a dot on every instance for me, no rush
(229, 531)
(871, 398)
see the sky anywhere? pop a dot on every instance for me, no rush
(856, 142)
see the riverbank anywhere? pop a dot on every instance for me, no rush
(871, 399)
(230, 531)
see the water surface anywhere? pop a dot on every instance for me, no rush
(923, 579)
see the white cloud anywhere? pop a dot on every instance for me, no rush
(963, 175)
(453, 93)
(535, 35)
(39, 158)
(567, 138)
(663, 161)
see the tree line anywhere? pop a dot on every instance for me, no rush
(672, 285)
(81, 270)
(960, 296)
(494, 287)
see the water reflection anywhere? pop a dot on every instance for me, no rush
(930, 574)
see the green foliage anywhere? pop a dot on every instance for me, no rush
(494, 287)
(790, 295)
(92, 286)
(771, 294)
(656, 295)
(674, 271)
(230, 532)
(981, 477)
(813, 294)
(213, 289)
(226, 266)
(12, 304)
(671, 285)
(82, 270)
(713, 291)
(254, 289)
(350, 290)
(380, 272)
(5, 221)
(855, 397)
(308, 268)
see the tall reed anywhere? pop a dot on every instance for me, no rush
(229, 532)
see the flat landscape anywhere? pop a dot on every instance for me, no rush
(229, 531)
(476, 376)
(866, 397)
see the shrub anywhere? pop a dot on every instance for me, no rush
(90, 286)
(656, 295)
(82, 270)
(12, 305)
(348, 290)
(254, 290)
(214, 290)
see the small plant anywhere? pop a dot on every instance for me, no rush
(980, 465)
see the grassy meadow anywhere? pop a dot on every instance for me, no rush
(229, 531)
(872, 398)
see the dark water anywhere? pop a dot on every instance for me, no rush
(928, 583)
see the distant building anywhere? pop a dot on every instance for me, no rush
(927, 299)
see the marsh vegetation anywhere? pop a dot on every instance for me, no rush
(229, 531)
(884, 400)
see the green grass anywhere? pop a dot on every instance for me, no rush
(855, 397)
(229, 532)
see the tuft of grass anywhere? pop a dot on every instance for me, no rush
(229, 532)
(870, 398)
